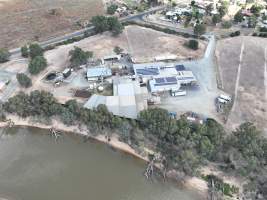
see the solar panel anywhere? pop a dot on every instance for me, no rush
(179, 67)
(159, 80)
(171, 79)
(165, 81)
(149, 71)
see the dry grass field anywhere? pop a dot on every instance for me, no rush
(242, 62)
(29, 20)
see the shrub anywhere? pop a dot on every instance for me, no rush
(216, 19)
(112, 9)
(226, 24)
(199, 29)
(193, 44)
(238, 16)
(24, 51)
(35, 50)
(4, 55)
(263, 29)
(24, 80)
(117, 50)
(37, 64)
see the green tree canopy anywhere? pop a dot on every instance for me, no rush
(79, 57)
(117, 50)
(199, 29)
(37, 64)
(111, 9)
(24, 80)
(193, 44)
(35, 50)
(216, 19)
(238, 16)
(102, 23)
(24, 51)
(4, 55)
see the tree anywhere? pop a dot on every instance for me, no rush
(238, 16)
(216, 19)
(79, 57)
(115, 26)
(156, 120)
(199, 29)
(223, 9)
(255, 9)
(117, 50)
(193, 44)
(252, 22)
(37, 64)
(24, 51)
(112, 9)
(4, 55)
(24, 80)
(102, 23)
(35, 50)
(226, 24)
(209, 8)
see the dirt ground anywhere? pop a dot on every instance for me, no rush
(22, 21)
(242, 63)
(144, 44)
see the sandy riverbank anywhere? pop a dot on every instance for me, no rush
(192, 183)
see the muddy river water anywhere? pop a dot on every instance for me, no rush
(33, 166)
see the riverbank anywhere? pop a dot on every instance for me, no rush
(191, 183)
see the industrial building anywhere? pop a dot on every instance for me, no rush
(163, 77)
(98, 73)
(164, 84)
(127, 101)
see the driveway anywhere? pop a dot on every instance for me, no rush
(201, 98)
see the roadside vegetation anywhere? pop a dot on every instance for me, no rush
(103, 23)
(4, 55)
(185, 146)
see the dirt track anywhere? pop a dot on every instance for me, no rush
(30, 20)
(243, 75)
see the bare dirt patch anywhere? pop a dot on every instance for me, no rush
(250, 100)
(132, 40)
(30, 20)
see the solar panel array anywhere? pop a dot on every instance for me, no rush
(179, 67)
(148, 71)
(165, 81)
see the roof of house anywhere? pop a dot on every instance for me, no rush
(98, 71)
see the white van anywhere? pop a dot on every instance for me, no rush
(225, 97)
(176, 93)
(222, 101)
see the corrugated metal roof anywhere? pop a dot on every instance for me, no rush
(98, 71)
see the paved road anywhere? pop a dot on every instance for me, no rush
(16, 52)
(178, 29)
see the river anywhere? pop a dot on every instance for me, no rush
(36, 167)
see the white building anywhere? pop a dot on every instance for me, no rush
(97, 73)
(127, 101)
(162, 77)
